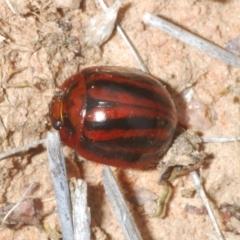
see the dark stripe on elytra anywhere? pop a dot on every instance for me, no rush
(135, 123)
(95, 103)
(131, 89)
(130, 142)
(126, 156)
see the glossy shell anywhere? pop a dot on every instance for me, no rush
(115, 116)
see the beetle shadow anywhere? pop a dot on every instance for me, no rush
(95, 201)
(29, 154)
(180, 105)
(182, 115)
(178, 99)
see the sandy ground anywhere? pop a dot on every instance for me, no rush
(43, 47)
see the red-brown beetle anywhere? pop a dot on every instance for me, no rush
(115, 116)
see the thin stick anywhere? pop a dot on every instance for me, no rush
(219, 139)
(10, 6)
(81, 212)
(132, 49)
(22, 148)
(127, 41)
(192, 39)
(119, 206)
(202, 194)
(59, 177)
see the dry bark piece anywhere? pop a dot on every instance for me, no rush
(183, 152)
(183, 157)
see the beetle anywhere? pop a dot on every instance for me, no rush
(116, 116)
